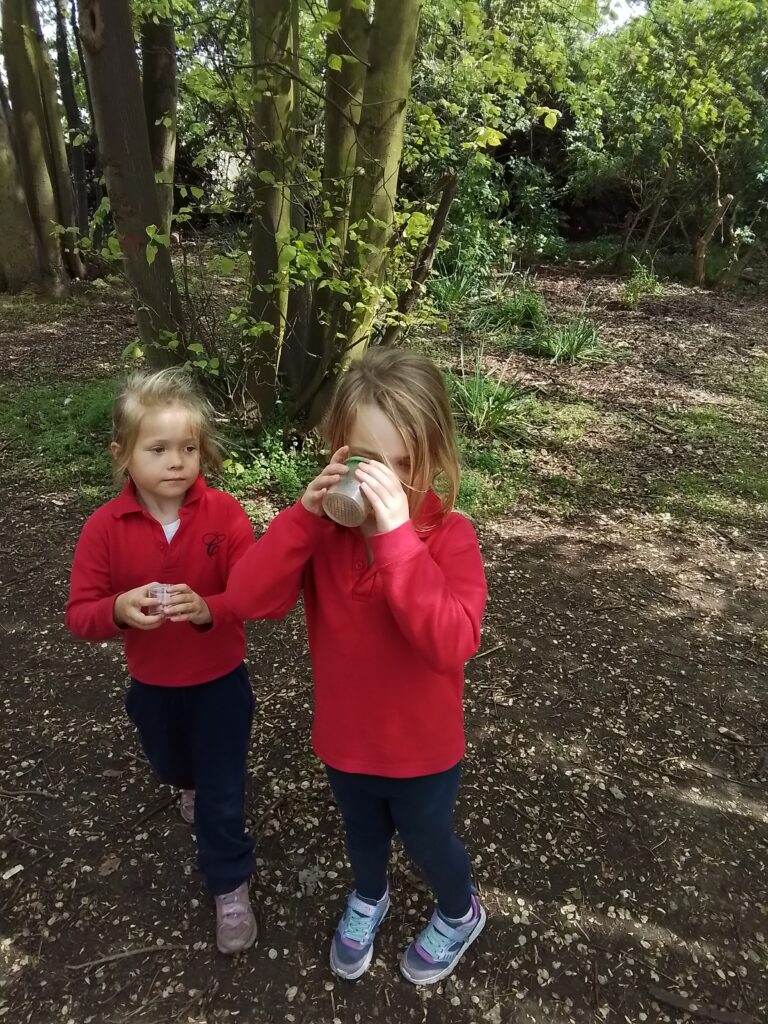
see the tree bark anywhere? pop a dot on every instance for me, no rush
(76, 153)
(659, 202)
(30, 131)
(57, 150)
(702, 242)
(379, 149)
(113, 72)
(19, 266)
(271, 24)
(159, 79)
(343, 105)
(422, 267)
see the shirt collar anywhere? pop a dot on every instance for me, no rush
(127, 501)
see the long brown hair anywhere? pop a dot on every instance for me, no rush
(410, 390)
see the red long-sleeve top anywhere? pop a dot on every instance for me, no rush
(388, 640)
(123, 547)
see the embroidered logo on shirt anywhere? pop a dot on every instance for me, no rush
(213, 542)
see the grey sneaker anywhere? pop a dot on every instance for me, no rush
(236, 927)
(434, 954)
(352, 945)
(187, 806)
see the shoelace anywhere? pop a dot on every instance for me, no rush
(357, 927)
(435, 943)
(232, 904)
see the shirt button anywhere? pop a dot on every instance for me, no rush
(359, 565)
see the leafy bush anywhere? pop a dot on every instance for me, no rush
(564, 343)
(276, 462)
(642, 282)
(524, 310)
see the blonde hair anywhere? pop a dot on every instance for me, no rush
(410, 390)
(145, 391)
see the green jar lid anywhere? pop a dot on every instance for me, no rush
(355, 459)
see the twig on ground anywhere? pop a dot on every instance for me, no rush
(155, 810)
(17, 794)
(141, 951)
(492, 650)
(661, 995)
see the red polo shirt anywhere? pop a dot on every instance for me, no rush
(123, 547)
(388, 640)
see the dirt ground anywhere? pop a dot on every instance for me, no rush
(614, 797)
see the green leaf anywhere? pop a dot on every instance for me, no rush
(550, 120)
(197, 193)
(151, 230)
(151, 254)
(335, 63)
(196, 347)
(359, 5)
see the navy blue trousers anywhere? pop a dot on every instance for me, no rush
(197, 737)
(420, 810)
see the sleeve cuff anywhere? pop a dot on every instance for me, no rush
(220, 612)
(105, 617)
(396, 545)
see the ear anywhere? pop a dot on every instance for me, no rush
(115, 448)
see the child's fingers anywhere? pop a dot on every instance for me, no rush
(341, 455)
(373, 496)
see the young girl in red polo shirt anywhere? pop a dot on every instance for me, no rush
(190, 696)
(393, 612)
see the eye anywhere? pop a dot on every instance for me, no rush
(158, 449)
(191, 448)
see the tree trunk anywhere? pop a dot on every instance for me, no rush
(74, 120)
(379, 149)
(158, 60)
(113, 72)
(30, 131)
(659, 202)
(271, 25)
(343, 105)
(702, 242)
(422, 267)
(57, 150)
(19, 266)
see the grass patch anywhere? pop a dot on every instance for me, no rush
(523, 310)
(66, 427)
(453, 290)
(643, 281)
(738, 496)
(576, 341)
(486, 406)
(493, 477)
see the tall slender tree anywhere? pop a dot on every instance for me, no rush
(158, 65)
(113, 72)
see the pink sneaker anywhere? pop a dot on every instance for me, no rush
(187, 806)
(236, 927)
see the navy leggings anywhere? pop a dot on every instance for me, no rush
(420, 810)
(197, 737)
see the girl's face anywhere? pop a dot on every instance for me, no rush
(165, 461)
(375, 436)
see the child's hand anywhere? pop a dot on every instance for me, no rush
(384, 490)
(184, 605)
(312, 500)
(128, 611)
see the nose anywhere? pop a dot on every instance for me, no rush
(176, 459)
